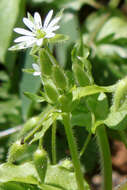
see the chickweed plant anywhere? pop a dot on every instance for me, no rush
(71, 98)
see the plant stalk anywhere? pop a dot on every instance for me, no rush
(105, 155)
(85, 144)
(54, 126)
(73, 151)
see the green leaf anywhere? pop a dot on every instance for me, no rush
(34, 97)
(95, 20)
(89, 90)
(115, 25)
(62, 178)
(117, 120)
(98, 104)
(57, 177)
(58, 38)
(50, 187)
(12, 186)
(25, 173)
(16, 186)
(7, 23)
(111, 50)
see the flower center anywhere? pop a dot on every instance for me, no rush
(40, 34)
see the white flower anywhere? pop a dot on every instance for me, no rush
(37, 71)
(36, 33)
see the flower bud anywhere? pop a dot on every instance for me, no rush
(41, 162)
(59, 77)
(16, 151)
(45, 63)
(65, 102)
(80, 75)
(51, 91)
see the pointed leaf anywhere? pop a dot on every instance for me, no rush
(89, 90)
(34, 97)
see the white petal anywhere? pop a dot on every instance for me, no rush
(36, 67)
(18, 46)
(50, 35)
(51, 29)
(39, 42)
(37, 20)
(23, 39)
(37, 73)
(48, 18)
(54, 21)
(29, 24)
(55, 28)
(23, 31)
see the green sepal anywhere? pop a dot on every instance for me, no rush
(41, 162)
(79, 50)
(80, 75)
(58, 38)
(65, 102)
(30, 17)
(51, 91)
(30, 71)
(45, 62)
(29, 126)
(59, 77)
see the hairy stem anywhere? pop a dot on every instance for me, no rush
(102, 141)
(54, 126)
(73, 151)
(85, 144)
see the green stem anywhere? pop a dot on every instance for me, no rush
(43, 117)
(123, 137)
(54, 126)
(40, 143)
(73, 151)
(114, 3)
(102, 141)
(85, 144)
